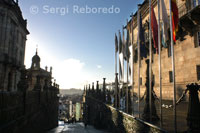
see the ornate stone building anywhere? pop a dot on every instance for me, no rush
(13, 32)
(37, 73)
(186, 49)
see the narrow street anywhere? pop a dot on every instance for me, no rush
(75, 128)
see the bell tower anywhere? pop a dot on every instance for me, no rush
(35, 61)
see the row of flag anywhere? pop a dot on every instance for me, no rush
(124, 47)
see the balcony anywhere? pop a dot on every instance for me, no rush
(189, 15)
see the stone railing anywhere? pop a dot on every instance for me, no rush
(104, 116)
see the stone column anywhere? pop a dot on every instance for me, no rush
(98, 91)
(104, 90)
(146, 111)
(93, 91)
(23, 86)
(193, 116)
(117, 94)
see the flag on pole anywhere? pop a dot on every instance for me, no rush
(130, 64)
(122, 54)
(120, 42)
(121, 68)
(126, 50)
(116, 44)
(123, 43)
(143, 51)
(154, 26)
(164, 24)
(175, 18)
(121, 58)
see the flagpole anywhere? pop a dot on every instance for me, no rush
(115, 58)
(127, 88)
(116, 86)
(127, 67)
(173, 66)
(119, 92)
(138, 61)
(132, 68)
(150, 63)
(159, 60)
(123, 42)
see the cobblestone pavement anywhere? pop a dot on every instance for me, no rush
(75, 128)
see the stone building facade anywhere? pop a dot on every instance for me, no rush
(186, 49)
(13, 32)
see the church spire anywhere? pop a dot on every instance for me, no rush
(36, 53)
(36, 60)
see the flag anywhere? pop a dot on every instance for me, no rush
(121, 66)
(121, 62)
(126, 50)
(130, 63)
(164, 24)
(121, 57)
(154, 26)
(143, 51)
(174, 18)
(123, 42)
(116, 44)
(120, 69)
(120, 42)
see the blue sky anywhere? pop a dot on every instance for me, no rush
(79, 46)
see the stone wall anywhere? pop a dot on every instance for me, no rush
(30, 112)
(106, 117)
(186, 54)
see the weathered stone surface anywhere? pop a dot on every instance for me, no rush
(107, 117)
(38, 117)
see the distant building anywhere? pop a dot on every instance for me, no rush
(73, 110)
(13, 32)
(70, 109)
(78, 111)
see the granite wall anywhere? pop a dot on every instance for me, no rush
(103, 116)
(30, 112)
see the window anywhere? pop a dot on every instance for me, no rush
(198, 36)
(140, 81)
(136, 56)
(198, 72)
(169, 50)
(152, 57)
(170, 77)
(1, 24)
(196, 3)
(146, 35)
(197, 39)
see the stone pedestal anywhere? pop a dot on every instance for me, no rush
(193, 116)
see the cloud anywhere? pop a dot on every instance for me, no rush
(69, 73)
(99, 66)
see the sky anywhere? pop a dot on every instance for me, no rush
(75, 37)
